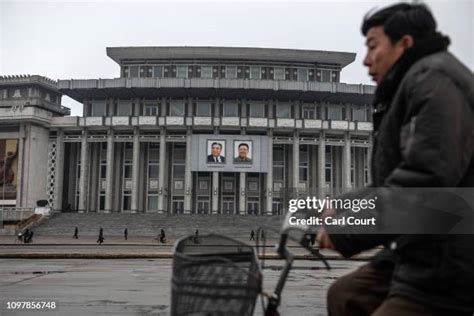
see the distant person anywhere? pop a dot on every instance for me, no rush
(101, 238)
(19, 238)
(24, 234)
(262, 234)
(196, 237)
(313, 239)
(28, 238)
(162, 237)
(252, 235)
(125, 233)
(243, 153)
(215, 156)
(76, 233)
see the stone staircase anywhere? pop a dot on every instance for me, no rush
(175, 226)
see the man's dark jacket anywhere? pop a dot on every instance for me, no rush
(424, 137)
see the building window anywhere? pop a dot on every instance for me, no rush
(177, 108)
(326, 75)
(279, 73)
(359, 114)
(151, 109)
(304, 167)
(125, 71)
(182, 71)
(153, 171)
(146, 71)
(352, 158)
(334, 112)
(254, 72)
(278, 167)
(124, 108)
(366, 166)
(257, 109)
(231, 72)
(302, 74)
(206, 72)
(328, 165)
(230, 109)
(169, 71)
(283, 110)
(158, 71)
(127, 176)
(309, 112)
(203, 108)
(133, 71)
(152, 202)
(98, 108)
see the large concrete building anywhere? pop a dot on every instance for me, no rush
(214, 130)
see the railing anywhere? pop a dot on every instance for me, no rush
(15, 213)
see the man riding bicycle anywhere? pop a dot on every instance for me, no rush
(423, 137)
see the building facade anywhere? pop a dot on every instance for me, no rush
(200, 130)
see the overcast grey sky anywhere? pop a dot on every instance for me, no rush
(67, 39)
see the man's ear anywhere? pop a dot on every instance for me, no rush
(407, 41)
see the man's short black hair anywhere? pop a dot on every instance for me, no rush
(402, 19)
(218, 144)
(244, 144)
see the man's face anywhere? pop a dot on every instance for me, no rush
(243, 152)
(216, 150)
(381, 53)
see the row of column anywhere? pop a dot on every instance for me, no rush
(84, 172)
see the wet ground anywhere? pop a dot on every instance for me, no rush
(141, 287)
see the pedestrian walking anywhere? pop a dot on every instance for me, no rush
(28, 237)
(125, 233)
(196, 237)
(252, 235)
(76, 233)
(101, 238)
(162, 237)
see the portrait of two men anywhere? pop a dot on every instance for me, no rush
(216, 151)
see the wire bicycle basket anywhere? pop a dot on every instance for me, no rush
(218, 276)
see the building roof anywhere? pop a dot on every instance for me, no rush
(121, 54)
(153, 88)
(45, 82)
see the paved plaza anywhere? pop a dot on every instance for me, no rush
(142, 287)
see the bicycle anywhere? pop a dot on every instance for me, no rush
(223, 276)
(158, 239)
(18, 239)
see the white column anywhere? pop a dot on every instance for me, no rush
(109, 172)
(188, 179)
(242, 193)
(346, 164)
(322, 165)
(19, 175)
(84, 176)
(135, 169)
(269, 174)
(59, 176)
(161, 173)
(26, 165)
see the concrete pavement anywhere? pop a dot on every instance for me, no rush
(115, 247)
(142, 287)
